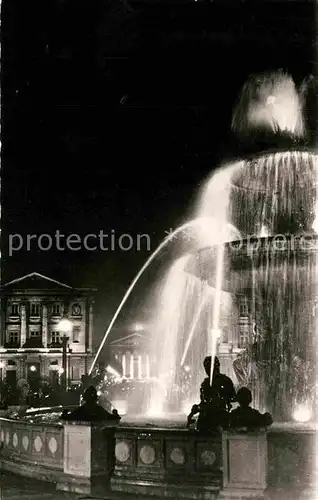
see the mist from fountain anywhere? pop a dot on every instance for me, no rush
(184, 227)
(182, 304)
(273, 194)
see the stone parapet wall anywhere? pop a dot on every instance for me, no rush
(170, 463)
(31, 449)
(167, 463)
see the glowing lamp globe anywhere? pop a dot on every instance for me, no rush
(65, 325)
(302, 414)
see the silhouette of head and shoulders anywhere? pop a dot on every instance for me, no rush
(246, 417)
(222, 388)
(90, 410)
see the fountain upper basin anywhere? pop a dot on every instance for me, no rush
(279, 169)
(267, 255)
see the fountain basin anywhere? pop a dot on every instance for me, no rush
(282, 169)
(162, 460)
(264, 254)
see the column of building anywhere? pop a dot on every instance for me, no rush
(23, 335)
(3, 305)
(124, 365)
(90, 326)
(44, 325)
(147, 366)
(129, 370)
(131, 365)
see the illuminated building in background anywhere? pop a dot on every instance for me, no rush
(30, 342)
(132, 355)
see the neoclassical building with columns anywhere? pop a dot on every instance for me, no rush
(132, 356)
(30, 341)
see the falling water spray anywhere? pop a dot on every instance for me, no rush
(162, 245)
(204, 302)
(215, 332)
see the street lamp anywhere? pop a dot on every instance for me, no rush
(64, 326)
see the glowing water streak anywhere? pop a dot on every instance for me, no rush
(167, 240)
(215, 333)
(194, 325)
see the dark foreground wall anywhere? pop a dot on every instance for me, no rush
(291, 462)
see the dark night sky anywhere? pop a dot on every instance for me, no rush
(77, 160)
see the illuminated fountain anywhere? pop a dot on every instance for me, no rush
(244, 287)
(276, 275)
(245, 283)
(268, 263)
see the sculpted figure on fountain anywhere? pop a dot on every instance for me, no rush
(215, 399)
(244, 417)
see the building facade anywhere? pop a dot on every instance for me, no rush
(132, 356)
(31, 343)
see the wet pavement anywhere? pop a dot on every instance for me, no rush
(14, 487)
(19, 488)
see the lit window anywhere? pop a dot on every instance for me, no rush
(243, 309)
(56, 308)
(75, 373)
(35, 309)
(76, 333)
(55, 338)
(34, 334)
(244, 339)
(14, 309)
(13, 337)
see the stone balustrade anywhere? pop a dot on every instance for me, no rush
(88, 458)
(167, 463)
(34, 450)
(171, 463)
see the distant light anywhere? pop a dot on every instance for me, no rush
(61, 370)
(315, 223)
(33, 368)
(138, 327)
(187, 368)
(264, 233)
(99, 393)
(302, 414)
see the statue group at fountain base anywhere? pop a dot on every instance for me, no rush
(216, 401)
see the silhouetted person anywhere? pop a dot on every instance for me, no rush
(216, 399)
(222, 386)
(246, 417)
(91, 411)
